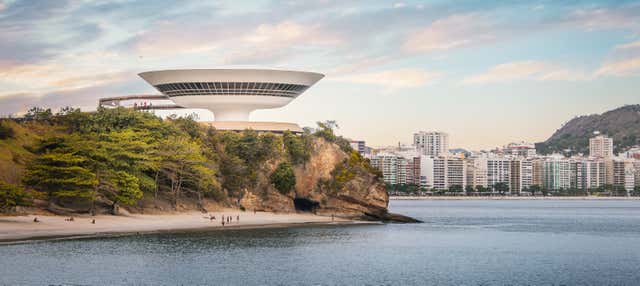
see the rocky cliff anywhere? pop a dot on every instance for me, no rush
(362, 196)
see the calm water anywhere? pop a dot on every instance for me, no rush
(461, 243)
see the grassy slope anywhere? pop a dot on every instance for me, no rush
(14, 152)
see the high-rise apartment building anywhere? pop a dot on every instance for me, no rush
(431, 143)
(498, 171)
(477, 171)
(387, 164)
(521, 175)
(556, 173)
(601, 147)
(593, 173)
(623, 174)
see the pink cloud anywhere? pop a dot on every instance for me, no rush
(455, 31)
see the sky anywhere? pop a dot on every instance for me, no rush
(486, 72)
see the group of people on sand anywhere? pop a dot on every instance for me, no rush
(225, 220)
(93, 221)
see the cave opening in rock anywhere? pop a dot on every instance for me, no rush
(305, 205)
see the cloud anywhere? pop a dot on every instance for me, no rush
(399, 78)
(277, 41)
(455, 31)
(624, 60)
(626, 17)
(83, 97)
(526, 70)
(399, 5)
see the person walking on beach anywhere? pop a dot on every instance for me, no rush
(238, 218)
(222, 223)
(93, 221)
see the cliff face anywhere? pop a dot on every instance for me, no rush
(362, 196)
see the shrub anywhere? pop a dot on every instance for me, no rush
(6, 131)
(283, 178)
(12, 195)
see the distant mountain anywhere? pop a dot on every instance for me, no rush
(622, 124)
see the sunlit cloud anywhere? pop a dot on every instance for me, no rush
(455, 31)
(399, 78)
(627, 17)
(624, 60)
(525, 70)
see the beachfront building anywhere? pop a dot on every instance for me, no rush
(477, 171)
(556, 173)
(444, 172)
(601, 146)
(593, 173)
(521, 175)
(432, 144)
(623, 174)
(387, 163)
(498, 170)
(232, 94)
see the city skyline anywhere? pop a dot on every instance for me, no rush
(488, 73)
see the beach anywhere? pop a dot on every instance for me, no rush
(513, 198)
(23, 228)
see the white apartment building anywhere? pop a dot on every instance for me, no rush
(387, 163)
(624, 174)
(593, 173)
(432, 144)
(557, 173)
(477, 171)
(498, 170)
(601, 147)
(426, 172)
(521, 175)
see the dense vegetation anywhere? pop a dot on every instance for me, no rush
(622, 124)
(115, 157)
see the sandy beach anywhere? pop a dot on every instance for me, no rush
(511, 198)
(22, 228)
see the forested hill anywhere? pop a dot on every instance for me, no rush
(622, 124)
(118, 160)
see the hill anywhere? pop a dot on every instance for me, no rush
(116, 160)
(622, 124)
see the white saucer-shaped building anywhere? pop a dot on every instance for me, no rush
(231, 94)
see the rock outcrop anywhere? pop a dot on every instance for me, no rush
(362, 197)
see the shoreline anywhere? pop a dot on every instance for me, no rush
(509, 198)
(22, 229)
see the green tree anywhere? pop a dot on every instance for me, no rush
(456, 188)
(501, 187)
(296, 146)
(6, 131)
(12, 196)
(535, 189)
(636, 191)
(469, 189)
(60, 175)
(39, 114)
(185, 167)
(283, 178)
